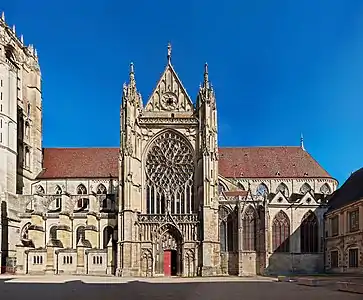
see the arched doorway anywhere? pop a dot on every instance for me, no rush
(169, 258)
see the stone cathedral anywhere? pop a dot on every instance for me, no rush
(167, 202)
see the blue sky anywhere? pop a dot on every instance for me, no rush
(279, 68)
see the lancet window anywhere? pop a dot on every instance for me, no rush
(305, 188)
(262, 190)
(281, 233)
(309, 233)
(58, 196)
(169, 175)
(283, 189)
(228, 229)
(82, 202)
(249, 229)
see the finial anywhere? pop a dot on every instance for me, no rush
(14, 28)
(169, 53)
(22, 39)
(3, 16)
(206, 78)
(132, 74)
(35, 52)
(302, 142)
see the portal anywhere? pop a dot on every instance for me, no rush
(170, 263)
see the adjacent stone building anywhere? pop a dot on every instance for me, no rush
(168, 201)
(344, 227)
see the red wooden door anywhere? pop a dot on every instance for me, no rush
(167, 262)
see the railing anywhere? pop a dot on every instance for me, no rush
(145, 218)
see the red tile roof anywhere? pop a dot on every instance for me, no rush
(268, 162)
(253, 162)
(80, 163)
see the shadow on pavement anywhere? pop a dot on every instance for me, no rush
(183, 291)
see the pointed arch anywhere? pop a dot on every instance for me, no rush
(228, 229)
(81, 189)
(262, 190)
(305, 188)
(101, 189)
(221, 187)
(169, 169)
(241, 186)
(325, 189)
(40, 190)
(281, 232)
(58, 196)
(53, 233)
(249, 229)
(282, 187)
(83, 201)
(27, 157)
(309, 233)
(24, 235)
(107, 235)
(80, 234)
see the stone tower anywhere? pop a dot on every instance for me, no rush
(168, 180)
(20, 127)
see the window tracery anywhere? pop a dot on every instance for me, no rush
(169, 172)
(228, 229)
(309, 233)
(325, 189)
(281, 232)
(305, 188)
(283, 189)
(40, 190)
(262, 190)
(249, 229)
(82, 200)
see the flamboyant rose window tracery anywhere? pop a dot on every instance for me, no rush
(169, 171)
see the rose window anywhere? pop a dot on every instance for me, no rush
(169, 171)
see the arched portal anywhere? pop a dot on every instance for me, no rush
(169, 252)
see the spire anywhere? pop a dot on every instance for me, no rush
(169, 53)
(132, 75)
(14, 28)
(206, 77)
(3, 16)
(302, 142)
(22, 39)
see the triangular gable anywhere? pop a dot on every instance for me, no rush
(169, 94)
(279, 198)
(308, 199)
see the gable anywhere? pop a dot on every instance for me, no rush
(169, 94)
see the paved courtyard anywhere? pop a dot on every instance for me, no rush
(104, 288)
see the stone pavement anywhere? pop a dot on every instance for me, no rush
(116, 280)
(73, 287)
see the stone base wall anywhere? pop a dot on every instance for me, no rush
(288, 263)
(64, 261)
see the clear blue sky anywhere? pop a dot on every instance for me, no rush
(279, 68)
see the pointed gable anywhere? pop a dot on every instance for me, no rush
(169, 94)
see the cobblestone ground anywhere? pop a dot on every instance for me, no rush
(209, 289)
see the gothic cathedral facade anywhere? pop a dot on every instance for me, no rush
(168, 202)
